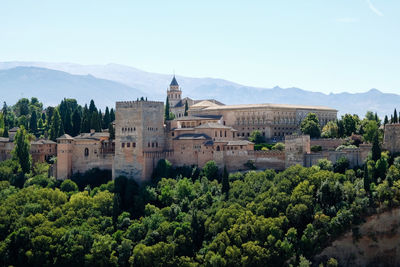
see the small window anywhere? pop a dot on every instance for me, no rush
(128, 144)
(86, 152)
(133, 144)
(122, 145)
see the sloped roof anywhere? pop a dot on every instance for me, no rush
(65, 136)
(4, 139)
(212, 125)
(239, 143)
(93, 136)
(43, 142)
(199, 117)
(204, 104)
(174, 82)
(192, 136)
(267, 105)
(179, 104)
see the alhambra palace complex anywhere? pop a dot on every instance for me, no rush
(209, 131)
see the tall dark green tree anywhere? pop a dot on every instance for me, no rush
(21, 150)
(76, 123)
(186, 108)
(225, 182)
(367, 179)
(49, 115)
(85, 128)
(33, 123)
(166, 115)
(92, 106)
(386, 121)
(395, 118)
(5, 132)
(376, 148)
(112, 115)
(4, 110)
(111, 130)
(106, 118)
(56, 128)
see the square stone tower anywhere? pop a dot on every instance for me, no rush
(296, 147)
(139, 138)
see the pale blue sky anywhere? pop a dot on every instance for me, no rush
(327, 46)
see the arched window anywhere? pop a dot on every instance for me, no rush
(86, 152)
(218, 149)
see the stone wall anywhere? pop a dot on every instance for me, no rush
(94, 158)
(356, 156)
(391, 140)
(326, 143)
(296, 147)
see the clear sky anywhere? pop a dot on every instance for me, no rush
(318, 45)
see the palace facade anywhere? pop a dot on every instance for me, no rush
(202, 130)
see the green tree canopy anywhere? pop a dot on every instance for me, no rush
(310, 125)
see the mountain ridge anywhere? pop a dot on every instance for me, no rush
(129, 83)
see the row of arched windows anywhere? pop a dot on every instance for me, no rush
(128, 144)
(128, 129)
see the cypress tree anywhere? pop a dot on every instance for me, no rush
(391, 118)
(100, 121)
(186, 108)
(21, 151)
(111, 130)
(5, 132)
(225, 182)
(67, 121)
(112, 115)
(49, 115)
(40, 124)
(33, 123)
(85, 128)
(106, 118)
(395, 118)
(76, 123)
(93, 121)
(367, 180)
(376, 148)
(4, 110)
(166, 115)
(92, 106)
(55, 128)
(386, 121)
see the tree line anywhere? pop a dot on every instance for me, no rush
(51, 122)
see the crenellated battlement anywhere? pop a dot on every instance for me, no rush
(137, 104)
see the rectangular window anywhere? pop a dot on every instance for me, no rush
(122, 145)
(128, 144)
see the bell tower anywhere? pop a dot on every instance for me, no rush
(174, 93)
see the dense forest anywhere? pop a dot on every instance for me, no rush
(199, 217)
(185, 216)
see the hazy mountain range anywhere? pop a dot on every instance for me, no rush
(51, 82)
